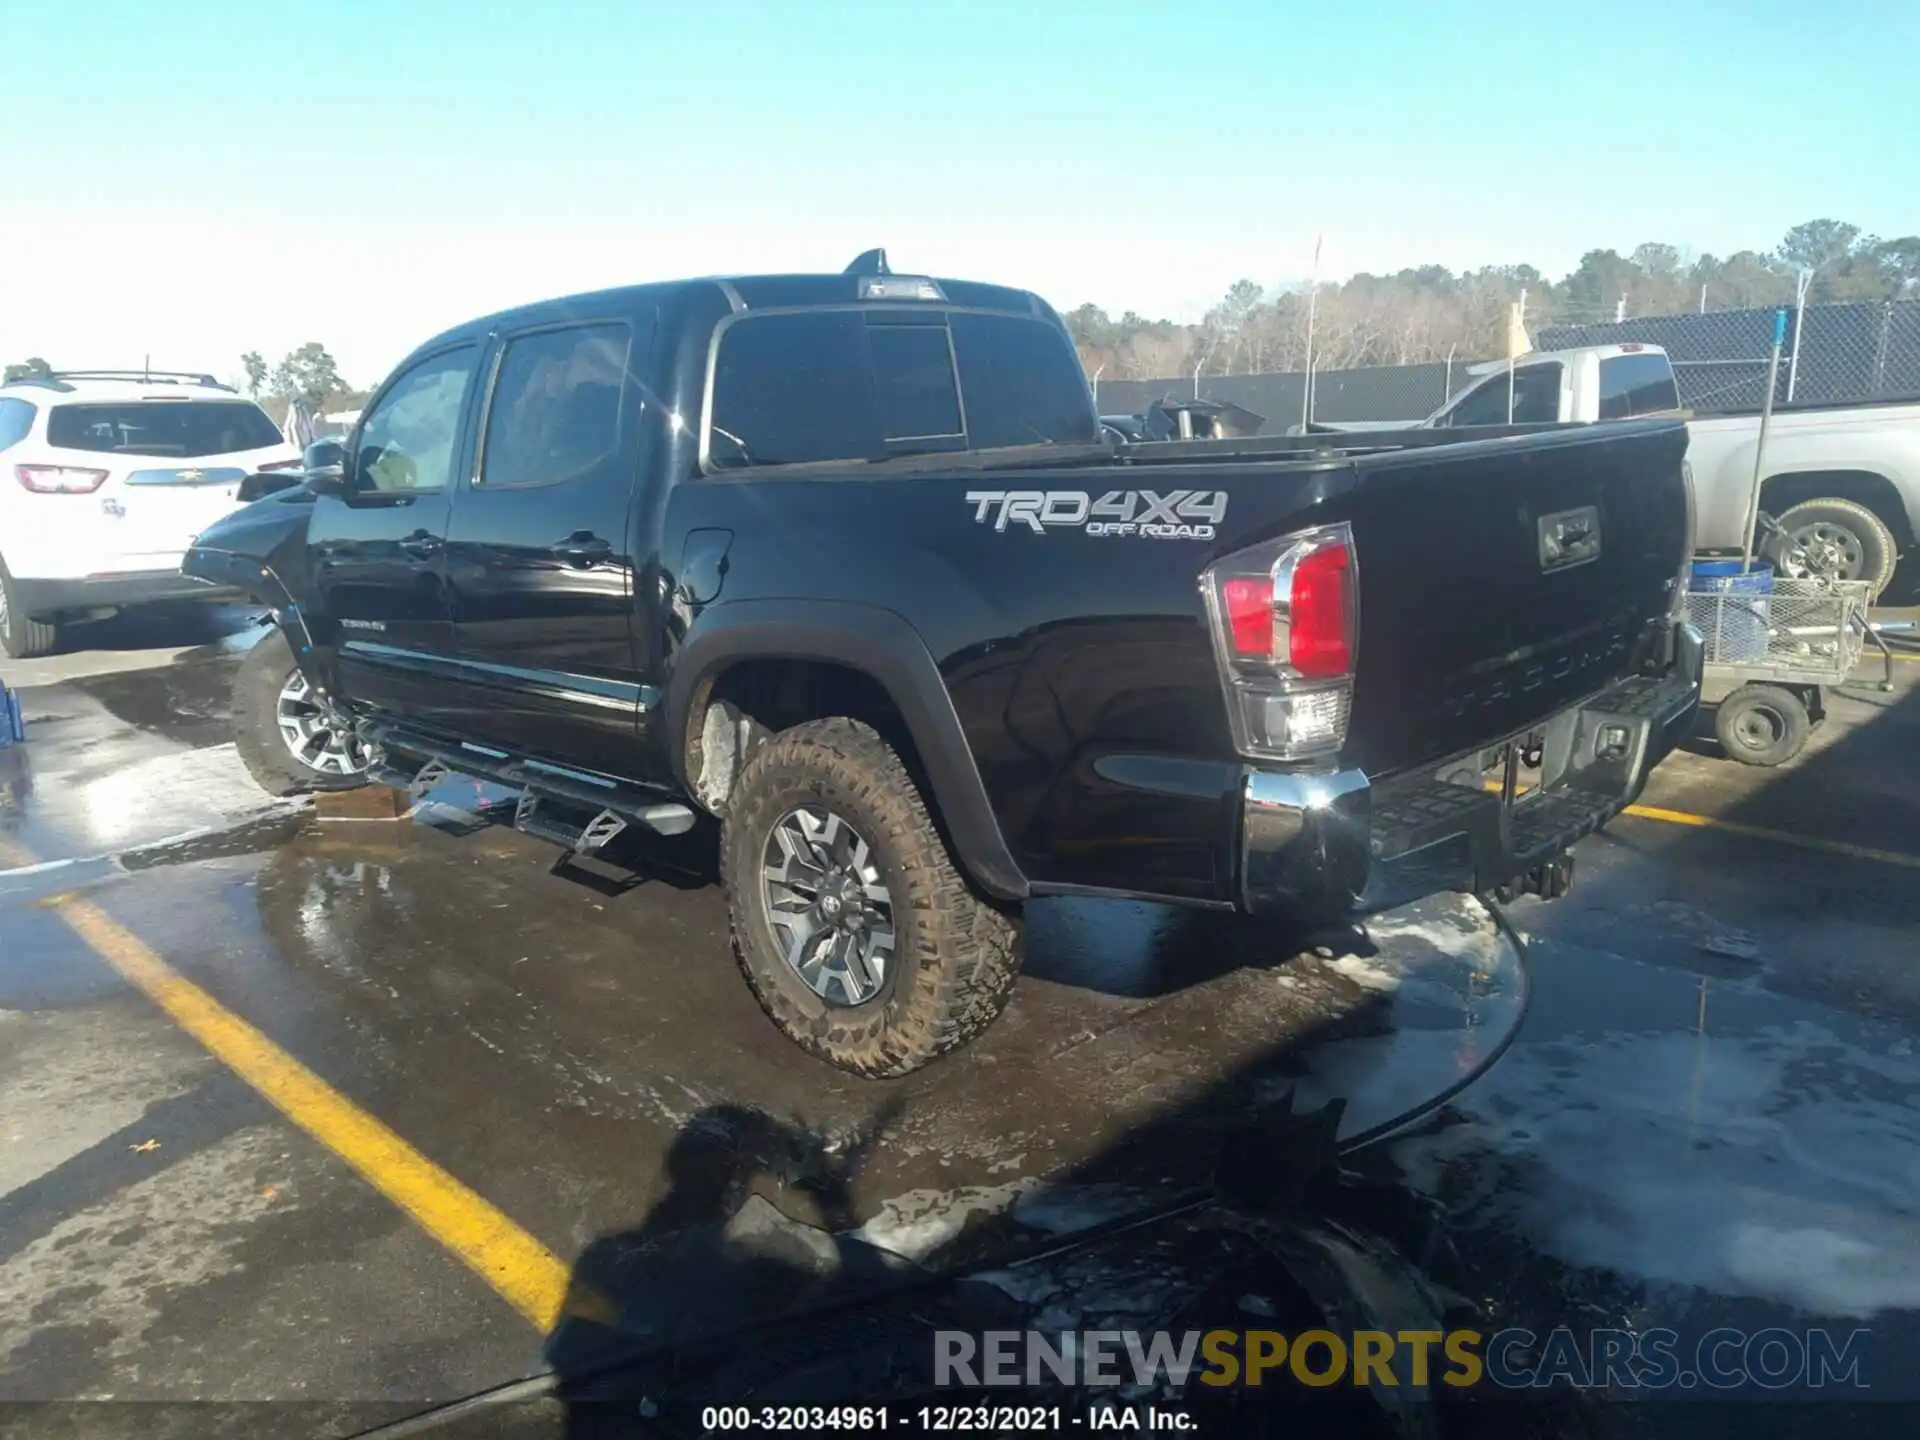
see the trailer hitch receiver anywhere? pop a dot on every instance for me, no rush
(1549, 881)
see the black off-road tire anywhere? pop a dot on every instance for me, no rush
(21, 636)
(1762, 725)
(1869, 536)
(256, 731)
(955, 954)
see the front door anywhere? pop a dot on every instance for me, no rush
(540, 560)
(377, 553)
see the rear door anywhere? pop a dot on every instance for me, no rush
(540, 552)
(174, 467)
(376, 554)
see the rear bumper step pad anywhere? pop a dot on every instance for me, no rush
(1338, 840)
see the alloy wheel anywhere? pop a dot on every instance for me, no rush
(829, 905)
(311, 735)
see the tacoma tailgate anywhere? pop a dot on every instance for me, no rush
(1502, 580)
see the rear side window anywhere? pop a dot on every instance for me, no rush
(850, 385)
(1536, 399)
(1636, 385)
(188, 428)
(555, 411)
(1023, 383)
(16, 419)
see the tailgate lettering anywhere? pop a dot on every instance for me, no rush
(1553, 670)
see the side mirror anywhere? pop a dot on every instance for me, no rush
(263, 483)
(323, 453)
(327, 480)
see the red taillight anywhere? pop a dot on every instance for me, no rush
(1285, 623)
(1320, 635)
(282, 465)
(1249, 605)
(59, 479)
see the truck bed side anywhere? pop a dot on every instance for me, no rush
(1079, 663)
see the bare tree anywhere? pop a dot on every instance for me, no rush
(1427, 313)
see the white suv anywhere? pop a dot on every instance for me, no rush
(105, 479)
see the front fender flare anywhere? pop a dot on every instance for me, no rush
(261, 584)
(883, 646)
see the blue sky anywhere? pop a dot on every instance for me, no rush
(198, 179)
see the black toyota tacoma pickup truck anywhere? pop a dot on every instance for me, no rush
(848, 562)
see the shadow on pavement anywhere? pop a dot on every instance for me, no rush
(720, 1298)
(171, 625)
(775, 1312)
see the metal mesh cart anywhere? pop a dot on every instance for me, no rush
(1773, 654)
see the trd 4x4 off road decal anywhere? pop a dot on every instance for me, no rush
(1177, 515)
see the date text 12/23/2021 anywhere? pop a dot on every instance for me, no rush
(939, 1419)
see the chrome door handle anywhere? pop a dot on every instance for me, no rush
(582, 551)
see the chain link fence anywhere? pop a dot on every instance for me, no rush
(1846, 354)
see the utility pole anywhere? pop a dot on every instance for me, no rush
(1800, 289)
(1760, 441)
(1620, 310)
(1703, 299)
(1313, 300)
(1516, 326)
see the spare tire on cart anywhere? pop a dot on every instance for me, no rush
(1763, 724)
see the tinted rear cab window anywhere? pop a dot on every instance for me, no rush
(1636, 385)
(861, 385)
(186, 428)
(1022, 382)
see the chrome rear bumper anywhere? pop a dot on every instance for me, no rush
(1338, 841)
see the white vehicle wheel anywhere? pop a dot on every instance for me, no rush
(21, 636)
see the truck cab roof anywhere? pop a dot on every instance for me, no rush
(1541, 357)
(738, 294)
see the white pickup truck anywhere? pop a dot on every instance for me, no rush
(1842, 480)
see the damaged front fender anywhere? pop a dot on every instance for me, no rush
(261, 550)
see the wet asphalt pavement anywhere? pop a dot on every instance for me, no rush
(1707, 1117)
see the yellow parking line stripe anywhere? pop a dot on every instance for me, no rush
(527, 1275)
(1782, 837)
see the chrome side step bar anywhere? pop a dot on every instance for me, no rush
(544, 790)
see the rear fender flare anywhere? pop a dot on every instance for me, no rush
(883, 646)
